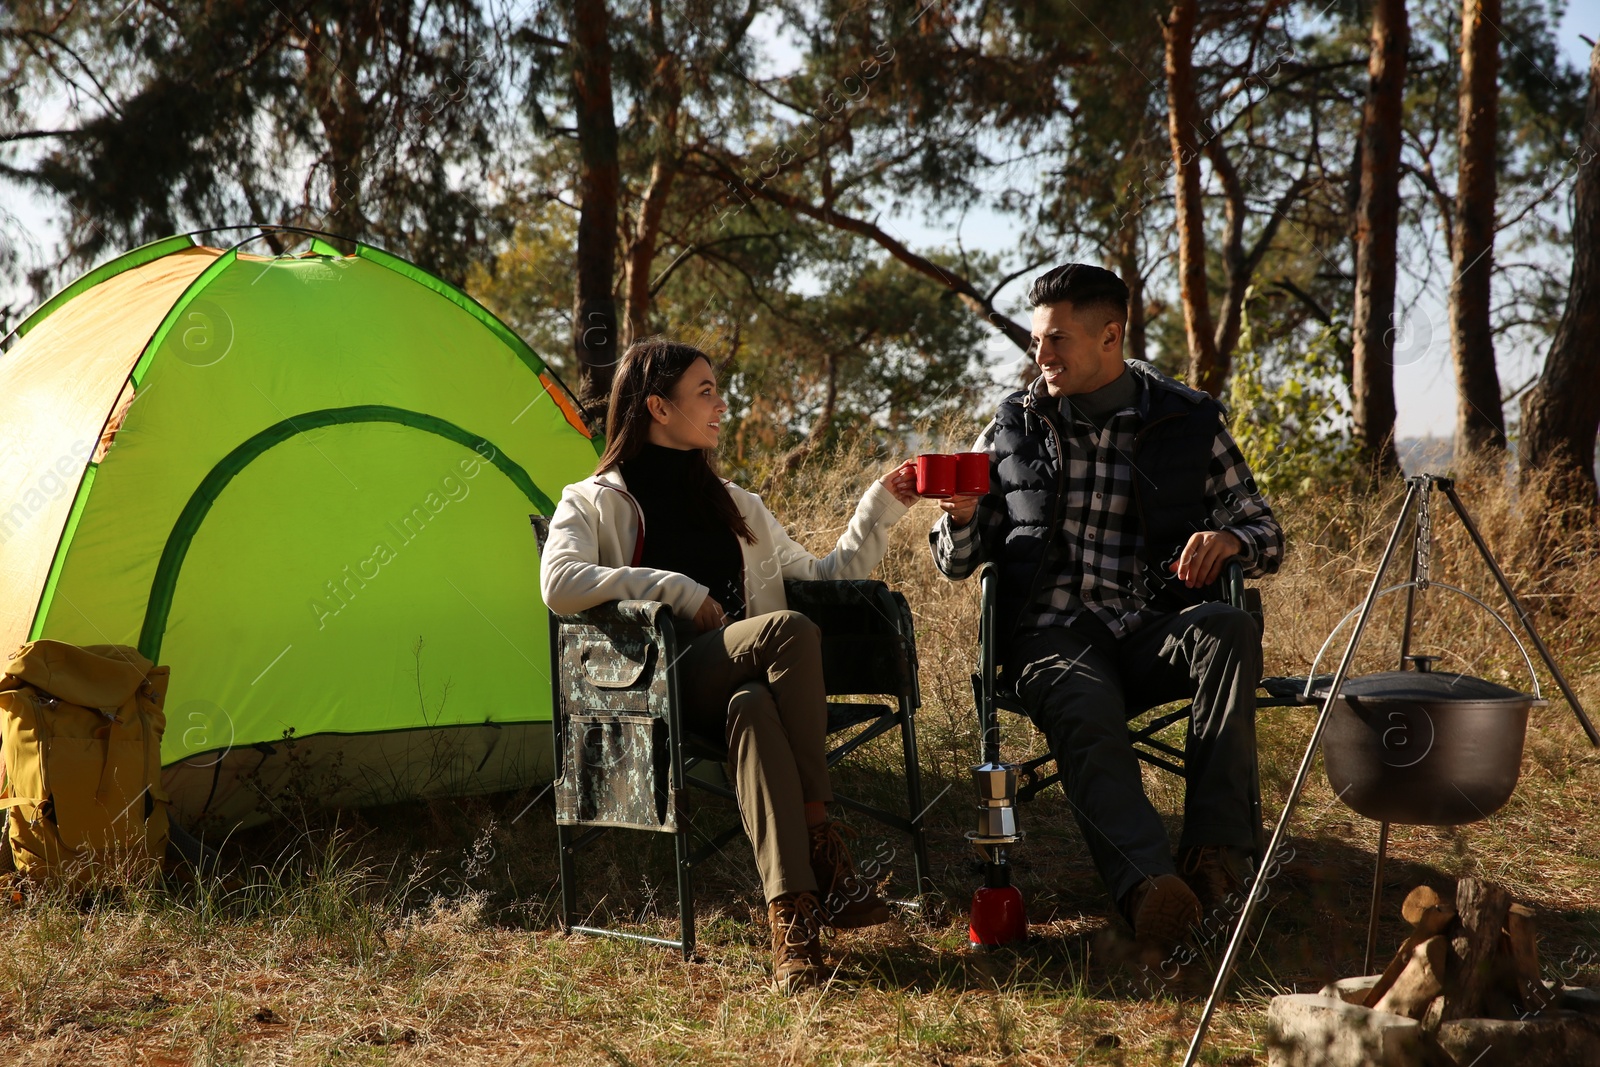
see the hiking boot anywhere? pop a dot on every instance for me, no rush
(1219, 875)
(849, 901)
(1161, 910)
(796, 920)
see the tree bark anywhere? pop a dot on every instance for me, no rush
(820, 427)
(1233, 254)
(342, 111)
(1377, 237)
(667, 96)
(594, 315)
(1480, 420)
(1133, 341)
(642, 249)
(1238, 259)
(1206, 370)
(1561, 414)
(1473, 968)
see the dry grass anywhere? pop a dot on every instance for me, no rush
(423, 934)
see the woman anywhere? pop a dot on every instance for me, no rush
(655, 522)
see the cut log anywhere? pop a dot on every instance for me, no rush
(1474, 971)
(1433, 1015)
(1429, 914)
(1420, 981)
(1392, 972)
(1521, 947)
(1426, 911)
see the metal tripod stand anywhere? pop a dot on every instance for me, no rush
(1418, 490)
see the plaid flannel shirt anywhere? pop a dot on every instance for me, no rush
(1102, 572)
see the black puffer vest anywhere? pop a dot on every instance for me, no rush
(1171, 456)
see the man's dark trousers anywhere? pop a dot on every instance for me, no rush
(1081, 685)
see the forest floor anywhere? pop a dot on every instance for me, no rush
(425, 933)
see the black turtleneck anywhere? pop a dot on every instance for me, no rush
(681, 533)
(1098, 405)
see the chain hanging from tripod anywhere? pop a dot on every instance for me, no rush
(1424, 538)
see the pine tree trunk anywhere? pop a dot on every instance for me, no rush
(342, 111)
(1133, 342)
(1561, 414)
(1377, 237)
(666, 98)
(1183, 124)
(1480, 421)
(594, 318)
(642, 249)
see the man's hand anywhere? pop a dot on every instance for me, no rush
(961, 507)
(902, 482)
(710, 616)
(1204, 556)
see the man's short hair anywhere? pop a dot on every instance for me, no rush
(1083, 285)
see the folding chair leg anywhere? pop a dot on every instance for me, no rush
(565, 863)
(919, 841)
(680, 841)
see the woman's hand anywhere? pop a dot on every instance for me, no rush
(710, 616)
(902, 482)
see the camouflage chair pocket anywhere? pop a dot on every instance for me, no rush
(616, 772)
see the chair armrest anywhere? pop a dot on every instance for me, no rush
(1233, 583)
(868, 636)
(1237, 594)
(819, 595)
(984, 682)
(616, 653)
(988, 608)
(651, 614)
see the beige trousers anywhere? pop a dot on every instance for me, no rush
(759, 683)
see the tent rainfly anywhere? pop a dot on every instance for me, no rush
(303, 482)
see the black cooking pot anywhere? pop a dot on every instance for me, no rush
(1425, 747)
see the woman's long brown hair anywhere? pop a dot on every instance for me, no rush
(653, 367)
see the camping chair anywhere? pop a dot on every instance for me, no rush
(993, 692)
(624, 760)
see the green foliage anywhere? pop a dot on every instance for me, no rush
(446, 133)
(1291, 411)
(376, 120)
(529, 284)
(858, 343)
(879, 349)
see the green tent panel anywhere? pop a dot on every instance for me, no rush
(303, 483)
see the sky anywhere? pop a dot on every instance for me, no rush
(1424, 383)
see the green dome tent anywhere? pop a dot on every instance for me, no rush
(303, 482)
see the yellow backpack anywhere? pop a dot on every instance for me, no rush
(80, 734)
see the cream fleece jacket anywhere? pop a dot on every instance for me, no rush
(598, 527)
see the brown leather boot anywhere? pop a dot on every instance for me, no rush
(1220, 877)
(1160, 910)
(850, 901)
(796, 920)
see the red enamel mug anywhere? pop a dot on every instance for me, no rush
(936, 475)
(972, 473)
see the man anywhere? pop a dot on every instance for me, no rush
(1116, 497)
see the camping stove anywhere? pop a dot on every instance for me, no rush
(998, 917)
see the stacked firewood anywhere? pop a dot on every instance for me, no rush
(1476, 956)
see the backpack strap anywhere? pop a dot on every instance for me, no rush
(6, 803)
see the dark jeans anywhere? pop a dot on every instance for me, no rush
(1081, 689)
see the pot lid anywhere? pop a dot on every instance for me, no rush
(1434, 686)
